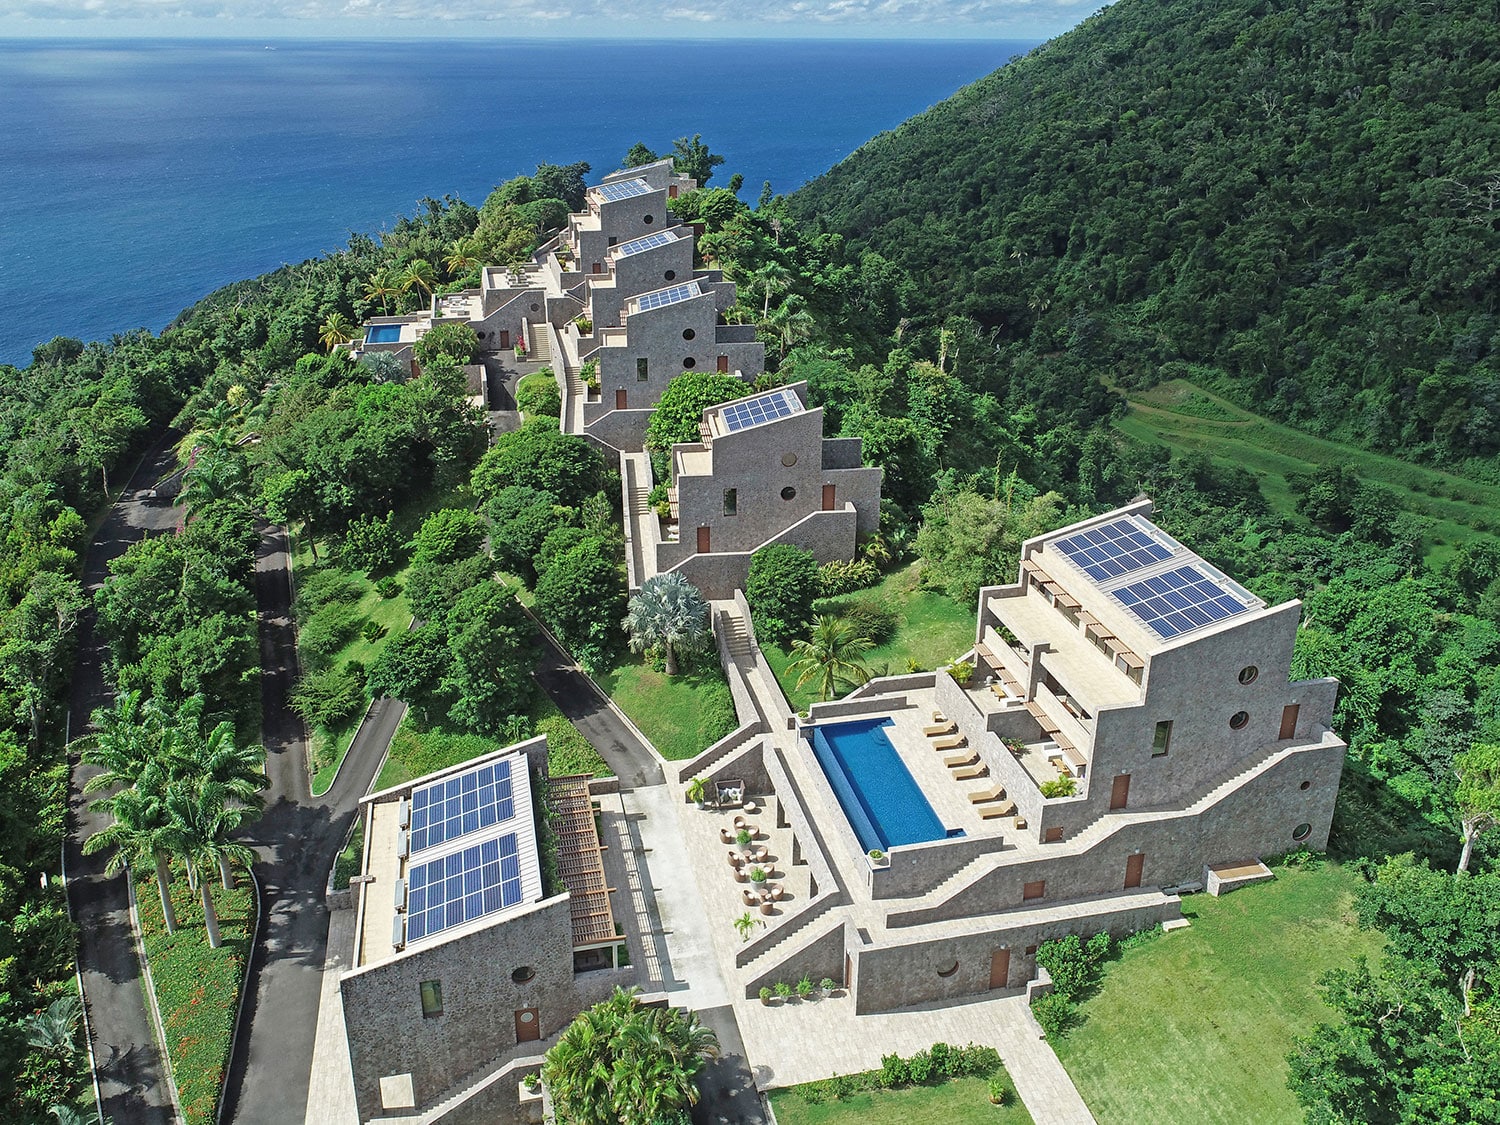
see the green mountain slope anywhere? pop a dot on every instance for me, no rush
(1301, 200)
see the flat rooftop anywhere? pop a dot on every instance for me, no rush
(754, 410)
(448, 854)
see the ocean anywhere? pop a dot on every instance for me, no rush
(140, 175)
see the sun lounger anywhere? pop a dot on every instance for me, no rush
(940, 728)
(969, 773)
(993, 793)
(949, 742)
(937, 717)
(994, 812)
(964, 758)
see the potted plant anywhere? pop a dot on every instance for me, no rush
(804, 988)
(697, 791)
(743, 838)
(877, 857)
(999, 1090)
(765, 996)
(532, 1082)
(783, 990)
(828, 986)
(758, 876)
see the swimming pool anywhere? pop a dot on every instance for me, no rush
(382, 333)
(882, 800)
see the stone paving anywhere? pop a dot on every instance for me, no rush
(330, 1094)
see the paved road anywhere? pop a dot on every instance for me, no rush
(590, 711)
(727, 1094)
(298, 838)
(131, 1078)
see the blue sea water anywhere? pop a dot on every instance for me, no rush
(137, 176)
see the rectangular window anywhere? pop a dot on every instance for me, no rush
(731, 501)
(612, 240)
(640, 371)
(1163, 739)
(432, 999)
(1034, 890)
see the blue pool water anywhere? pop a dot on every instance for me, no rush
(880, 797)
(382, 333)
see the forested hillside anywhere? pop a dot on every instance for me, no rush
(1294, 203)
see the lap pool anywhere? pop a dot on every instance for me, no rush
(882, 800)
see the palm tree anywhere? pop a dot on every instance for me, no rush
(215, 475)
(237, 772)
(461, 259)
(335, 330)
(53, 1030)
(122, 743)
(418, 275)
(381, 287)
(668, 612)
(141, 833)
(773, 277)
(202, 821)
(831, 656)
(791, 323)
(578, 1068)
(658, 1054)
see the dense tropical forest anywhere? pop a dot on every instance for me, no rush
(1288, 205)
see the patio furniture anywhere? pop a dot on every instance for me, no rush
(936, 729)
(993, 793)
(735, 859)
(964, 758)
(739, 822)
(758, 853)
(969, 773)
(767, 908)
(740, 875)
(994, 812)
(775, 891)
(1020, 823)
(950, 742)
(725, 836)
(749, 899)
(751, 807)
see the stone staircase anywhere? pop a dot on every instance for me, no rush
(539, 341)
(737, 637)
(635, 469)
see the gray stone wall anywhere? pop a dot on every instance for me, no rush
(820, 957)
(657, 336)
(622, 220)
(828, 535)
(641, 273)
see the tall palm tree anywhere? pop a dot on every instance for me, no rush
(773, 277)
(831, 656)
(335, 330)
(418, 275)
(237, 772)
(791, 323)
(461, 259)
(658, 1054)
(202, 822)
(122, 742)
(668, 612)
(215, 475)
(141, 833)
(381, 287)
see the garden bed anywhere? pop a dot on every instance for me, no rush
(682, 715)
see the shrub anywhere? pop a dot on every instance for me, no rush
(388, 587)
(961, 671)
(838, 577)
(329, 697)
(538, 394)
(457, 341)
(370, 544)
(1059, 787)
(372, 631)
(893, 1071)
(781, 587)
(873, 620)
(980, 1059)
(324, 587)
(783, 989)
(947, 1061)
(1056, 1014)
(325, 632)
(920, 1067)
(842, 1085)
(1075, 965)
(1000, 1091)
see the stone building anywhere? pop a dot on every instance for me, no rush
(762, 473)
(1131, 732)
(462, 958)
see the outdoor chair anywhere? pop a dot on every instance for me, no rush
(776, 891)
(740, 875)
(767, 907)
(725, 836)
(751, 807)
(966, 758)
(993, 793)
(951, 742)
(749, 899)
(994, 812)
(940, 728)
(739, 821)
(969, 773)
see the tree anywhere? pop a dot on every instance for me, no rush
(781, 587)
(580, 596)
(140, 833)
(831, 656)
(335, 330)
(639, 156)
(773, 277)
(1478, 793)
(692, 158)
(202, 822)
(521, 518)
(492, 648)
(214, 477)
(412, 668)
(968, 541)
(669, 613)
(457, 341)
(540, 457)
(382, 286)
(680, 411)
(54, 1030)
(34, 638)
(418, 274)
(447, 536)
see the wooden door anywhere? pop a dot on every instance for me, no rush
(828, 497)
(671, 191)
(504, 339)
(1119, 795)
(619, 398)
(999, 968)
(848, 962)
(598, 268)
(1289, 720)
(703, 540)
(528, 1025)
(1134, 865)
(723, 365)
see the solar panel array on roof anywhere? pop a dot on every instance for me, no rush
(1112, 549)
(457, 888)
(623, 189)
(460, 805)
(649, 242)
(1178, 601)
(766, 408)
(669, 296)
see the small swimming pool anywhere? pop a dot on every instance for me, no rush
(382, 333)
(880, 797)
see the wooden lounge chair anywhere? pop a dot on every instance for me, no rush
(993, 793)
(938, 717)
(949, 742)
(1020, 823)
(969, 773)
(964, 758)
(940, 728)
(994, 812)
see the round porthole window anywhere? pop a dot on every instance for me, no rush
(689, 363)
(523, 974)
(688, 333)
(949, 971)
(1305, 785)
(649, 219)
(535, 307)
(1238, 720)
(788, 459)
(1248, 674)
(670, 275)
(789, 493)
(1301, 832)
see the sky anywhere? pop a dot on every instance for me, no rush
(595, 19)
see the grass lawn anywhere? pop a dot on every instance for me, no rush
(934, 630)
(1195, 1026)
(682, 715)
(1187, 418)
(198, 988)
(959, 1101)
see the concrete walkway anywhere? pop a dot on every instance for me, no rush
(330, 1092)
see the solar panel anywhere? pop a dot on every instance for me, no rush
(1112, 549)
(669, 296)
(460, 805)
(623, 189)
(1179, 601)
(649, 242)
(458, 888)
(765, 408)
